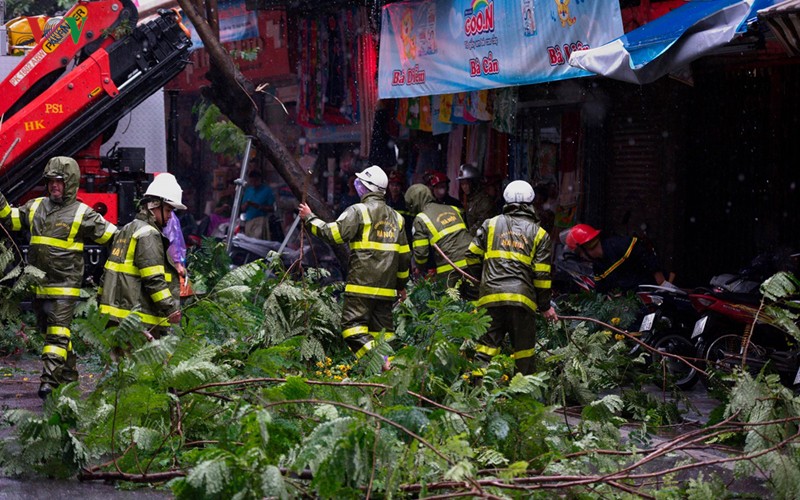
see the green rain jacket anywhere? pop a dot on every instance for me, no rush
(437, 224)
(479, 208)
(516, 259)
(139, 277)
(379, 252)
(58, 232)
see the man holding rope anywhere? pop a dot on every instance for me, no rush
(140, 278)
(516, 277)
(441, 228)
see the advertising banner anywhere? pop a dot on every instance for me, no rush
(235, 23)
(436, 47)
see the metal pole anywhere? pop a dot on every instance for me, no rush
(241, 182)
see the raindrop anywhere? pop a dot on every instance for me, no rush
(692, 220)
(665, 134)
(631, 142)
(741, 177)
(792, 186)
(301, 141)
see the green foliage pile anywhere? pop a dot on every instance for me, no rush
(16, 328)
(256, 395)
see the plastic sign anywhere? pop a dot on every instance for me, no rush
(437, 47)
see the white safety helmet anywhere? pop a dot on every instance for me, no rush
(518, 192)
(374, 178)
(166, 187)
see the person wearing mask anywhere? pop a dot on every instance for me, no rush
(379, 259)
(479, 206)
(620, 263)
(59, 225)
(140, 278)
(440, 187)
(258, 202)
(443, 226)
(516, 276)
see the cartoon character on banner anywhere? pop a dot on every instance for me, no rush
(528, 19)
(407, 35)
(563, 13)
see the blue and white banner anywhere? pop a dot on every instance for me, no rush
(235, 23)
(446, 46)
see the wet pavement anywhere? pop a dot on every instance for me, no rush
(19, 381)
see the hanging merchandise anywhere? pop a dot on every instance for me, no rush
(504, 109)
(328, 75)
(425, 114)
(446, 108)
(478, 105)
(437, 125)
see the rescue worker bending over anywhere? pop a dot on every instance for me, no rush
(379, 259)
(619, 262)
(443, 226)
(59, 225)
(140, 278)
(516, 277)
(478, 204)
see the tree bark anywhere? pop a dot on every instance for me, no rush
(231, 92)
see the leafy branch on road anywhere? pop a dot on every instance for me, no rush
(257, 396)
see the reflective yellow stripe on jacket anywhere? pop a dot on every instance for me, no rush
(68, 244)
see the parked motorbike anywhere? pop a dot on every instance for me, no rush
(667, 327)
(733, 330)
(667, 316)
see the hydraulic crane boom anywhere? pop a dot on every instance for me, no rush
(88, 98)
(87, 26)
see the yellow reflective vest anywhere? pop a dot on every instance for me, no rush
(58, 232)
(379, 251)
(139, 276)
(516, 252)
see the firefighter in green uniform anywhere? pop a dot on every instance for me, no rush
(479, 206)
(379, 259)
(59, 225)
(139, 276)
(515, 281)
(443, 226)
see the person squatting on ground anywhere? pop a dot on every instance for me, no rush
(59, 225)
(619, 262)
(379, 259)
(443, 226)
(140, 277)
(479, 206)
(516, 277)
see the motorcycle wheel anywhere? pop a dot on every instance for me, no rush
(684, 375)
(724, 354)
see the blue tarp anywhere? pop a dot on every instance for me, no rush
(672, 41)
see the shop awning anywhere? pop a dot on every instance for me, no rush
(783, 20)
(670, 42)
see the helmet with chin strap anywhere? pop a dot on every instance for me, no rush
(166, 188)
(374, 178)
(518, 192)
